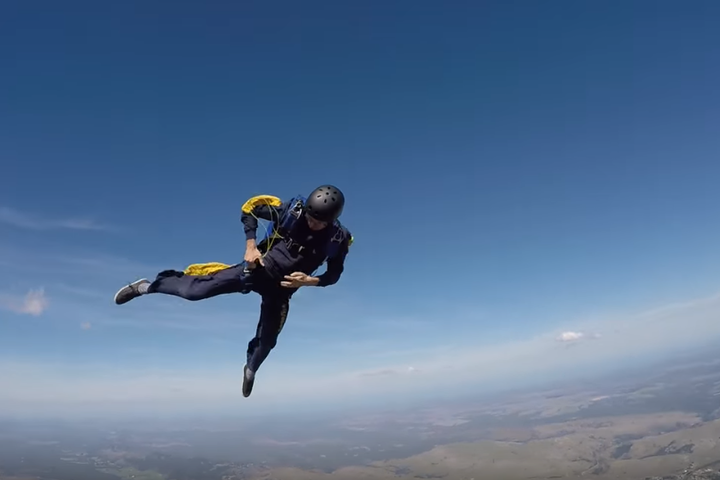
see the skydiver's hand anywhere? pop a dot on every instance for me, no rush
(253, 257)
(297, 280)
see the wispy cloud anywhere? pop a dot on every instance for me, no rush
(389, 372)
(24, 385)
(82, 286)
(95, 309)
(455, 366)
(33, 302)
(16, 218)
(69, 264)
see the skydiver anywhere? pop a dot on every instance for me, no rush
(275, 269)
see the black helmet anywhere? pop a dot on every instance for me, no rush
(325, 203)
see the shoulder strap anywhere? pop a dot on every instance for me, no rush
(277, 230)
(291, 214)
(339, 235)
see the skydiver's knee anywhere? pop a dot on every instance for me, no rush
(268, 342)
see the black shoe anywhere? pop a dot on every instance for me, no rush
(129, 292)
(247, 382)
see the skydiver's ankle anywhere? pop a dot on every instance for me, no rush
(143, 288)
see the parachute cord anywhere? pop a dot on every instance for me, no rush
(271, 239)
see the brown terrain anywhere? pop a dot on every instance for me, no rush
(663, 443)
(664, 425)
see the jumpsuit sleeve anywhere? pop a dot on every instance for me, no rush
(335, 266)
(266, 211)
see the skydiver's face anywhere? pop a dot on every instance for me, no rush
(315, 224)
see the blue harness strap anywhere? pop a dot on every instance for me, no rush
(286, 223)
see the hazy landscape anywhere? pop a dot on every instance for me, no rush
(658, 422)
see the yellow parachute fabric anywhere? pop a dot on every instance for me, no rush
(198, 269)
(261, 200)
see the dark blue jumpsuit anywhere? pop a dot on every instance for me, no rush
(302, 250)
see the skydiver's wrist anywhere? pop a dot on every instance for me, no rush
(312, 281)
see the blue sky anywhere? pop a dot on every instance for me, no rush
(514, 171)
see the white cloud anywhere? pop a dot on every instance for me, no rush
(33, 302)
(570, 336)
(574, 337)
(19, 219)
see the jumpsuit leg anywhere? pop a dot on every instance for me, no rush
(273, 313)
(200, 287)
